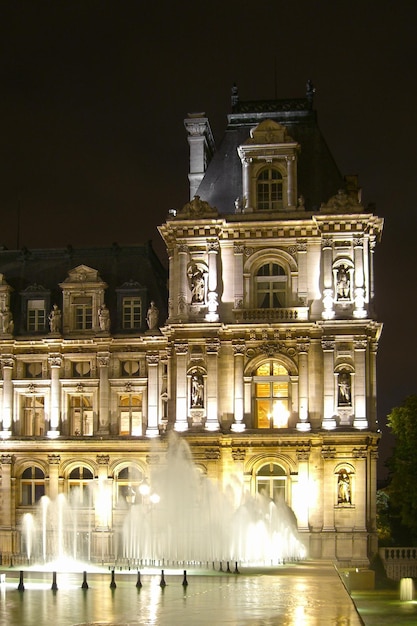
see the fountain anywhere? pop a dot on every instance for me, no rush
(406, 589)
(179, 516)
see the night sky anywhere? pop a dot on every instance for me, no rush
(92, 100)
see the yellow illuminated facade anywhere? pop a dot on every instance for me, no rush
(262, 355)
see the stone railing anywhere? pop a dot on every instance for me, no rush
(292, 314)
(399, 562)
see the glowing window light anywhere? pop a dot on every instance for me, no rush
(280, 415)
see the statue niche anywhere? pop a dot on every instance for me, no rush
(344, 493)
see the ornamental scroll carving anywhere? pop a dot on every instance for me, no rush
(212, 454)
(54, 459)
(212, 346)
(103, 459)
(197, 208)
(181, 348)
(238, 454)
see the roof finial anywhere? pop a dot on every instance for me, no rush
(310, 91)
(235, 96)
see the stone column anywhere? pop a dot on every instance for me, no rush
(171, 285)
(103, 502)
(328, 295)
(359, 495)
(329, 421)
(103, 360)
(302, 509)
(182, 299)
(181, 422)
(373, 417)
(238, 276)
(212, 350)
(239, 351)
(359, 294)
(360, 420)
(212, 296)
(291, 182)
(55, 362)
(245, 183)
(53, 461)
(303, 424)
(7, 362)
(329, 488)
(302, 271)
(153, 395)
(6, 491)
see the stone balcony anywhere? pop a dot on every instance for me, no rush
(291, 314)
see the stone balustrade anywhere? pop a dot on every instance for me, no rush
(291, 314)
(399, 562)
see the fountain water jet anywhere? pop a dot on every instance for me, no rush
(186, 517)
(179, 516)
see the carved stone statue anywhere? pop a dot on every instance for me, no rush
(7, 324)
(197, 391)
(104, 318)
(342, 283)
(345, 392)
(152, 316)
(343, 488)
(197, 284)
(54, 319)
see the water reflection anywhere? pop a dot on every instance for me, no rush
(297, 596)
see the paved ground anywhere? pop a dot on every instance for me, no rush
(309, 594)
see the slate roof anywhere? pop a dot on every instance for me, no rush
(318, 175)
(116, 265)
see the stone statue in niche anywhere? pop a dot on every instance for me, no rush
(342, 283)
(54, 319)
(345, 391)
(104, 318)
(152, 316)
(197, 391)
(7, 324)
(197, 284)
(343, 488)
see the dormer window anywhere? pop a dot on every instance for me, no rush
(269, 190)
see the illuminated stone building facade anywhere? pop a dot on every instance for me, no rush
(261, 353)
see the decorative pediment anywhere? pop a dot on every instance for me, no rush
(269, 131)
(342, 202)
(83, 274)
(35, 288)
(197, 208)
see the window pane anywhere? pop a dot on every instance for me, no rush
(263, 411)
(263, 390)
(264, 370)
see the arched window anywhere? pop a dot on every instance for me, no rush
(80, 487)
(271, 482)
(271, 381)
(269, 190)
(128, 481)
(271, 286)
(32, 485)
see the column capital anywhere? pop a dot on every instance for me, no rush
(54, 459)
(55, 361)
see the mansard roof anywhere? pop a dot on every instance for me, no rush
(113, 266)
(318, 175)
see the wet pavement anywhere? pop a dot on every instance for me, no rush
(307, 594)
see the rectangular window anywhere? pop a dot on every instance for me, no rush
(81, 415)
(83, 313)
(36, 315)
(33, 416)
(132, 313)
